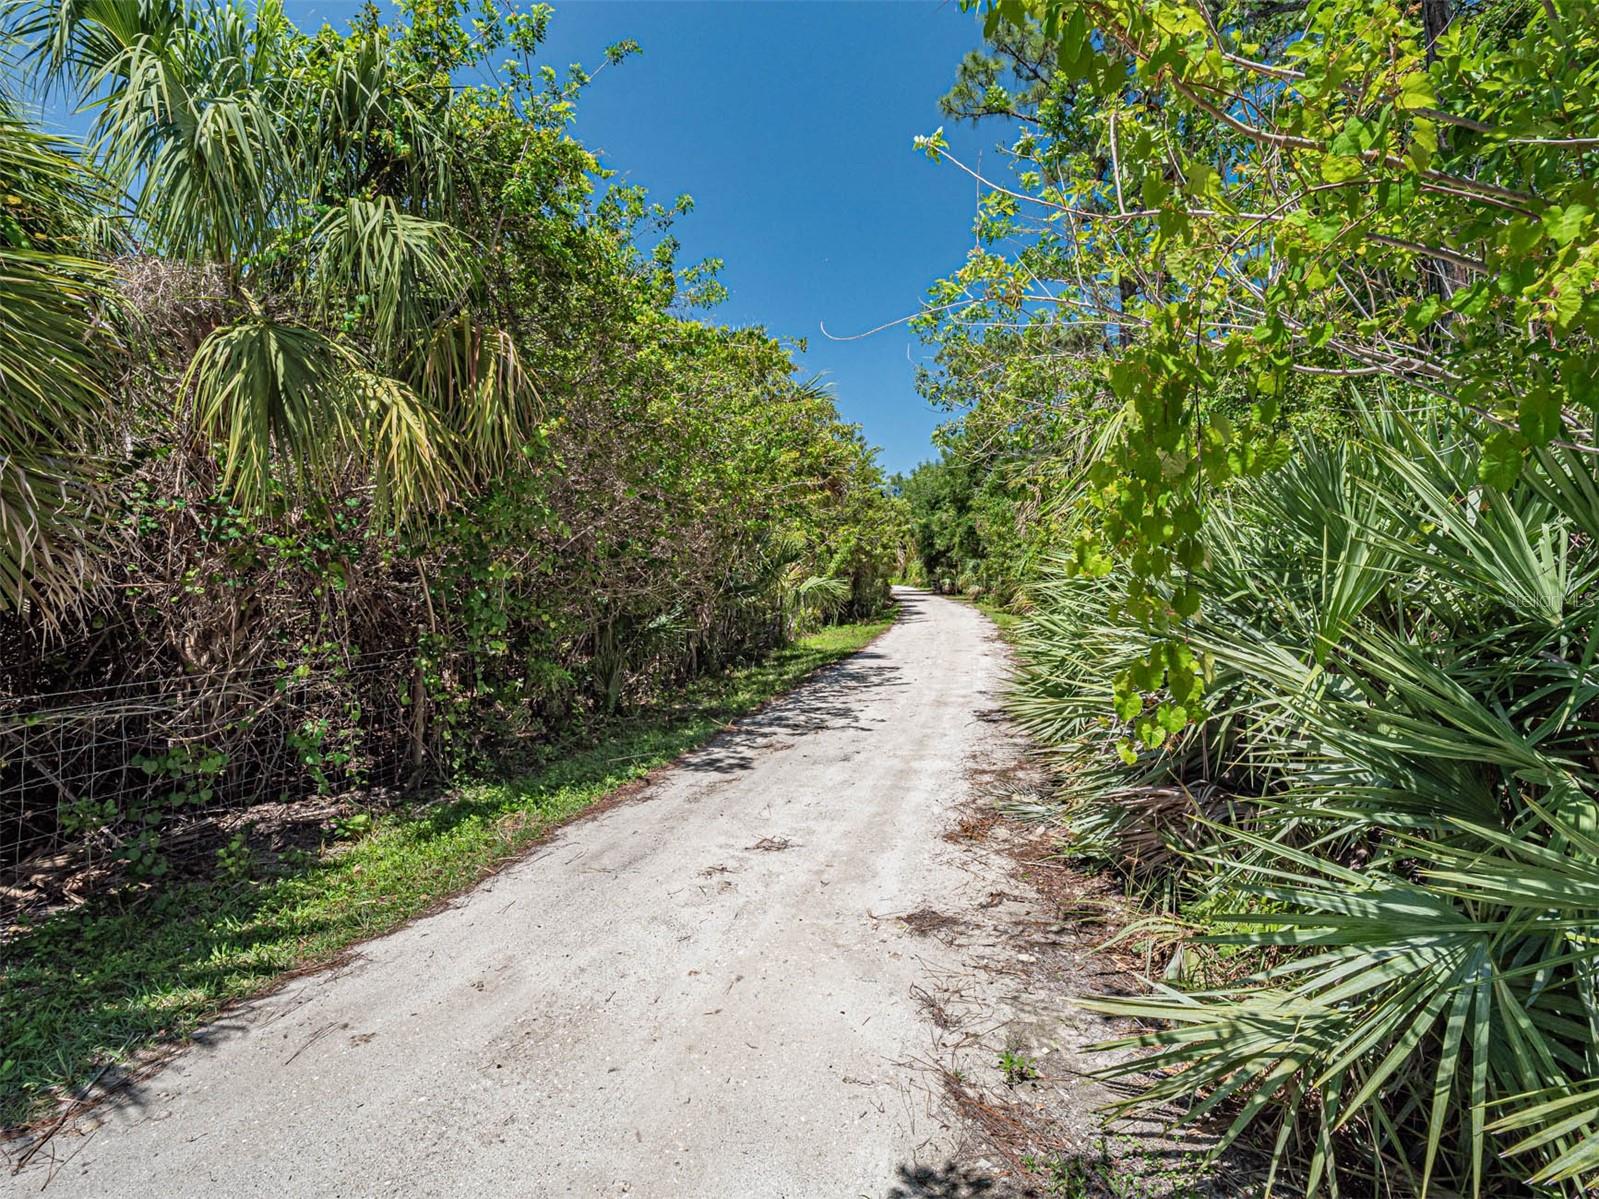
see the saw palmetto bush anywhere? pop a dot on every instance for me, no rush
(1385, 820)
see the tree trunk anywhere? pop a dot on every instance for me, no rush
(1435, 18)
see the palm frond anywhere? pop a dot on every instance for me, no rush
(52, 354)
(378, 269)
(282, 398)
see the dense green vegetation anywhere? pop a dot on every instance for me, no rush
(356, 433)
(1277, 364)
(317, 361)
(352, 415)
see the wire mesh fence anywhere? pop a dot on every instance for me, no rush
(128, 778)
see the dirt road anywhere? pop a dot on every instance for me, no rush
(708, 991)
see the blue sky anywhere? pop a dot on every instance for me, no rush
(790, 123)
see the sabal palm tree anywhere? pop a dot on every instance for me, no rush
(317, 174)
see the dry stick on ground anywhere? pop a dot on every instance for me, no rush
(61, 1121)
(1007, 1134)
(926, 920)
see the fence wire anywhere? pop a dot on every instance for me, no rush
(125, 777)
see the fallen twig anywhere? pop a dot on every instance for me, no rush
(60, 1123)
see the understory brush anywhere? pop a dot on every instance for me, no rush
(1375, 855)
(366, 443)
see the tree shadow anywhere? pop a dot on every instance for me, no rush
(123, 971)
(833, 700)
(912, 605)
(949, 1181)
(86, 986)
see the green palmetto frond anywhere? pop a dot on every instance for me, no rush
(270, 392)
(472, 375)
(1503, 548)
(819, 596)
(51, 359)
(355, 106)
(1404, 675)
(391, 428)
(303, 168)
(1482, 961)
(1564, 1126)
(391, 273)
(189, 104)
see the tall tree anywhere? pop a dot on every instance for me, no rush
(1343, 191)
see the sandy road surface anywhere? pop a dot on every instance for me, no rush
(702, 992)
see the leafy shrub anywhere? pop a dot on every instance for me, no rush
(1393, 790)
(417, 455)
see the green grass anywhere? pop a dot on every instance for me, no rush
(97, 983)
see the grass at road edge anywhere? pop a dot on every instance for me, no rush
(1007, 622)
(100, 983)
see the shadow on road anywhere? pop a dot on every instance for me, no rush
(949, 1181)
(912, 605)
(832, 700)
